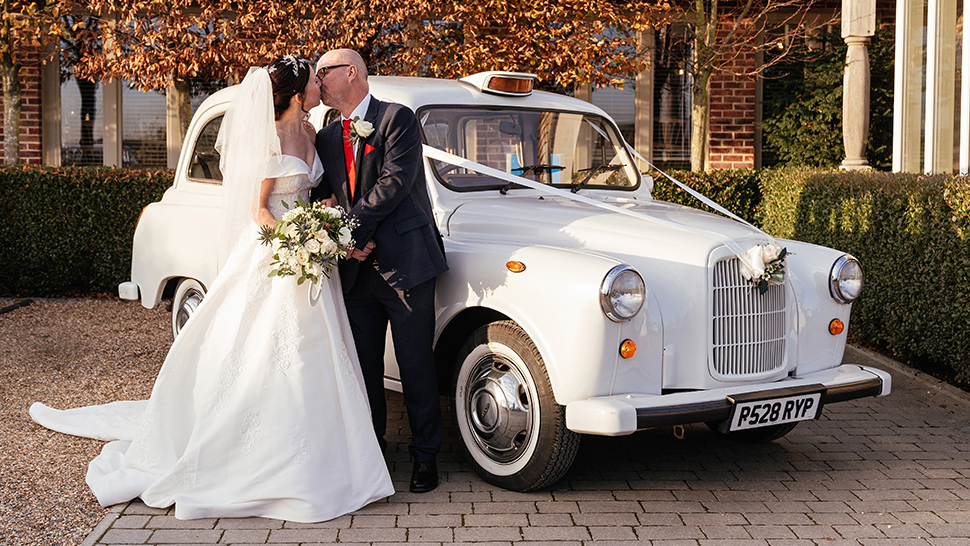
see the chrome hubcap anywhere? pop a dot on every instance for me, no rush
(498, 408)
(190, 302)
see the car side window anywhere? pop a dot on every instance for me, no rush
(205, 159)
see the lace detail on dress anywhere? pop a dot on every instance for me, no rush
(183, 474)
(350, 376)
(256, 286)
(140, 454)
(233, 369)
(250, 432)
(285, 336)
(303, 449)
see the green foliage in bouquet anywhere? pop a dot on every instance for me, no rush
(308, 240)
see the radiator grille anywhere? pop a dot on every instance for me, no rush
(749, 327)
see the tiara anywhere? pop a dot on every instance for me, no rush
(292, 61)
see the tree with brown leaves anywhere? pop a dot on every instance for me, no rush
(25, 25)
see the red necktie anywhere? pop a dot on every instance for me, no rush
(349, 158)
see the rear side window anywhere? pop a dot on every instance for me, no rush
(205, 159)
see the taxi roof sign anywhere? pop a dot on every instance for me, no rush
(513, 84)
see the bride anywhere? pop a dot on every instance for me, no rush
(259, 408)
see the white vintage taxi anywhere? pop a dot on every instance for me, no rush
(575, 303)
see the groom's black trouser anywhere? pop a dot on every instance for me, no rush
(371, 305)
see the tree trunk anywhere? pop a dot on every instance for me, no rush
(10, 74)
(700, 111)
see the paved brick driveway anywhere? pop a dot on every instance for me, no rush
(886, 471)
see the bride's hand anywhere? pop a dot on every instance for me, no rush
(361, 254)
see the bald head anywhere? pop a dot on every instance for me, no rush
(343, 79)
(343, 56)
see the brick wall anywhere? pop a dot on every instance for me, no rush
(732, 114)
(30, 109)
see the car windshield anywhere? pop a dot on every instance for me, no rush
(566, 149)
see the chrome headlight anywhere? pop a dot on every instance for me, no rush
(622, 293)
(845, 281)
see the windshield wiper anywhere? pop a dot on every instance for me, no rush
(530, 169)
(536, 169)
(591, 172)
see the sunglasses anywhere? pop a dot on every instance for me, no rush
(322, 72)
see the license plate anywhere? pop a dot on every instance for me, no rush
(767, 410)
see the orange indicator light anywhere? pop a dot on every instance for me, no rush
(836, 327)
(515, 267)
(628, 348)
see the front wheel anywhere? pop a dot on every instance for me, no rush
(187, 298)
(512, 430)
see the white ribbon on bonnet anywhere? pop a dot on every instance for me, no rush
(752, 261)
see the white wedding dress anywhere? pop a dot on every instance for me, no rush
(259, 408)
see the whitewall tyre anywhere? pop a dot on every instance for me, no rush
(188, 296)
(511, 429)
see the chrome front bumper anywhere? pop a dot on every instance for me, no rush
(625, 414)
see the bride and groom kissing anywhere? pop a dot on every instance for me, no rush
(271, 400)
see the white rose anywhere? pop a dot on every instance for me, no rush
(322, 236)
(752, 263)
(302, 256)
(771, 253)
(362, 128)
(314, 269)
(328, 247)
(312, 246)
(290, 232)
(344, 236)
(289, 215)
(293, 262)
(332, 211)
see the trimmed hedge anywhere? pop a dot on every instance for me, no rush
(912, 235)
(68, 231)
(736, 190)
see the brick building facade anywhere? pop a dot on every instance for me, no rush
(31, 108)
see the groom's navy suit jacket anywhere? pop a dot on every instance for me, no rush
(391, 198)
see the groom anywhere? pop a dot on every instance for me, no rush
(389, 276)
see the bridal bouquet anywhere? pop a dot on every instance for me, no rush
(308, 240)
(764, 266)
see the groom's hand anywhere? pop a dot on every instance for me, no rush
(361, 254)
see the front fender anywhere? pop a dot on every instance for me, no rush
(555, 300)
(809, 267)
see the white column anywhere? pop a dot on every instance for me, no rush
(965, 95)
(940, 83)
(111, 102)
(908, 87)
(643, 100)
(50, 103)
(858, 26)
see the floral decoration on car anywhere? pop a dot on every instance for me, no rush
(308, 240)
(764, 265)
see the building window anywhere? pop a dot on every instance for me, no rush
(81, 123)
(143, 143)
(672, 98)
(620, 105)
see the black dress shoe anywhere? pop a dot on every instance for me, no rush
(424, 477)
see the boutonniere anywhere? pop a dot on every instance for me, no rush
(359, 130)
(764, 266)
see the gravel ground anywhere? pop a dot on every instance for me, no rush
(65, 353)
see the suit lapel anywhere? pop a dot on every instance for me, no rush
(371, 116)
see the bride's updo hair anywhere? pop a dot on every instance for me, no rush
(290, 76)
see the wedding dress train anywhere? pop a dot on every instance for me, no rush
(259, 408)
